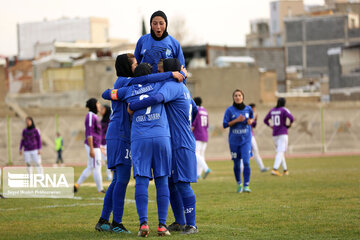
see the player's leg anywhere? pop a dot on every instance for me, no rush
(257, 156)
(27, 159)
(35, 160)
(245, 156)
(141, 199)
(162, 199)
(204, 166)
(198, 159)
(122, 179)
(177, 207)
(87, 171)
(189, 201)
(284, 145)
(97, 170)
(278, 157)
(103, 223)
(235, 156)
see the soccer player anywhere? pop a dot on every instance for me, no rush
(254, 145)
(200, 127)
(179, 108)
(59, 147)
(92, 146)
(278, 116)
(239, 118)
(31, 142)
(118, 143)
(105, 111)
(158, 44)
(151, 149)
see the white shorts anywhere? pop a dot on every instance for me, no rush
(281, 142)
(201, 147)
(96, 161)
(32, 157)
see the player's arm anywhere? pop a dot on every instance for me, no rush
(138, 50)
(266, 120)
(227, 117)
(157, 77)
(38, 139)
(21, 144)
(291, 118)
(114, 94)
(91, 145)
(250, 120)
(195, 110)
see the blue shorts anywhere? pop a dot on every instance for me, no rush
(243, 152)
(184, 165)
(118, 152)
(151, 153)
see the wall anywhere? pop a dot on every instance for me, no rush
(99, 28)
(3, 88)
(63, 79)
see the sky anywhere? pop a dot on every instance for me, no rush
(224, 22)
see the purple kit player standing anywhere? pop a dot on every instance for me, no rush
(31, 141)
(200, 127)
(92, 146)
(278, 116)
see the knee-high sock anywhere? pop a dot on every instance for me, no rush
(162, 198)
(237, 170)
(176, 203)
(108, 200)
(29, 169)
(98, 177)
(247, 171)
(84, 175)
(241, 167)
(189, 200)
(283, 163)
(122, 179)
(256, 153)
(278, 159)
(203, 163)
(142, 197)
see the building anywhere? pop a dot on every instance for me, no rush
(279, 10)
(344, 73)
(259, 34)
(89, 30)
(268, 58)
(308, 39)
(344, 6)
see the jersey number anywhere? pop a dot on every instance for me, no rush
(148, 109)
(204, 121)
(276, 120)
(128, 154)
(190, 113)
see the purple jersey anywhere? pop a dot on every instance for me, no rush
(104, 127)
(93, 128)
(278, 117)
(253, 125)
(201, 125)
(30, 140)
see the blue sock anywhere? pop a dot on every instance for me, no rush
(247, 171)
(108, 199)
(189, 200)
(119, 192)
(176, 203)
(142, 197)
(162, 198)
(237, 170)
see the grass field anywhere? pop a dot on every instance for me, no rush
(319, 200)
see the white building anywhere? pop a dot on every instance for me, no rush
(90, 30)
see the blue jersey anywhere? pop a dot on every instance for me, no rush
(119, 126)
(151, 51)
(240, 133)
(179, 107)
(150, 122)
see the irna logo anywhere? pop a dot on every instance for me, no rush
(45, 180)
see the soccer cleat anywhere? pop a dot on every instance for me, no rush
(118, 228)
(1, 196)
(207, 173)
(163, 230)
(103, 226)
(143, 230)
(199, 177)
(265, 169)
(76, 188)
(247, 189)
(286, 173)
(176, 227)
(276, 173)
(190, 230)
(239, 188)
(102, 191)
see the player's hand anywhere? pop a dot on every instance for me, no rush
(39, 152)
(92, 153)
(131, 112)
(184, 70)
(103, 150)
(288, 126)
(20, 152)
(241, 118)
(250, 121)
(178, 76)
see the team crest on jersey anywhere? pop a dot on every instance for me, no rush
(168, 53)
(247, 115)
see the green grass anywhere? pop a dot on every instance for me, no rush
(319, 200)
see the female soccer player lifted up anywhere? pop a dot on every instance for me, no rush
(239, 118)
